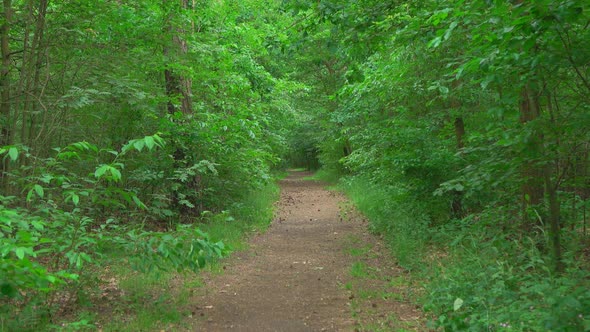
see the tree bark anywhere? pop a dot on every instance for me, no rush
(459, 132)
(40, 53)
(457, 202)
(5, 102)
(459, 125)
(554, 218)
(532, 189)
(177, 85)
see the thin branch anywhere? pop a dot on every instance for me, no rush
(299, 21)
(571, 60)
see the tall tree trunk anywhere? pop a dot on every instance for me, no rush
(5, 102)
(40, 54)
(539, 176)
(554, 217)
(177, 85)
(30, 80)
(23, 80)
(459, 125)
(532, 189)
(457, 203)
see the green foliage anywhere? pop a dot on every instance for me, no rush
(253, 213)
(481, 287)
(392, 213)
(23, 239)
(187, 248)
(51, 247)
(171, 289)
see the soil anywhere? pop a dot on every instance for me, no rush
(297, 275)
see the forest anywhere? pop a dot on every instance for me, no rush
(146, 136)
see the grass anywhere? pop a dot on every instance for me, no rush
(375, 288)
(395, 217)
(360, 251)
(359, 270)
(155, 301)
(503, 283)
(324, 176)
(373, 292)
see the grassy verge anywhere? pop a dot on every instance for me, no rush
(474, 276)
(407, 235)
(132, 301)
(381, 298)
(325, 176)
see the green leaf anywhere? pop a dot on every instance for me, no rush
(138, 202)
(458, 304)
(138, 145)
(450, 30)
(30, 195)
(116, 174)
(201, 261)
(149, 142)
(100, 171)
(20, 253)
(46, 178)
(84, 256)
(13, 153)
(75, 199)
(159, 140)
(435, 42)
(38, 225)
(39, 190)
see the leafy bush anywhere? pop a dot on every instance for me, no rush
(49, 249)
(491, 282)
(24, 239)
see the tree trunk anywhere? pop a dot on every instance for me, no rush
(459, 125)
(457, 203)
(532, 189)
(5, 102)
(459, 132)
(177, 86)
(35, 130)
(554, 218)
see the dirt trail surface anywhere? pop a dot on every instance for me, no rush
(292, 277)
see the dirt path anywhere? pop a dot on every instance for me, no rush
(294, 276)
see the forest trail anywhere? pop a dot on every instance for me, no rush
(292, 277)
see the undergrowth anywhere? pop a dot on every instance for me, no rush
(117, 278)
(167, 292)
(475, 276)
(408, 235)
